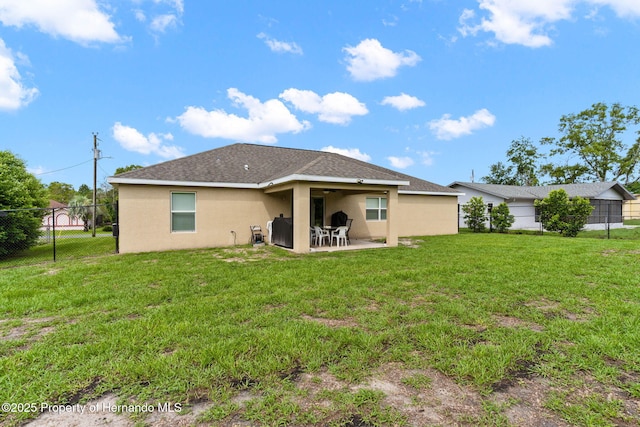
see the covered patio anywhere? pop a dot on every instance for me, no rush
(354, 245)
(314, 204)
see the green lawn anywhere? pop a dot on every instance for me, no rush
(70, 244)
(488, 311)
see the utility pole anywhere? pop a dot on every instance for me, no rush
(96, 156)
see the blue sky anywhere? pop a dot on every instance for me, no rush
(432, 88)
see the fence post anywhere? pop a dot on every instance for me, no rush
(53, 216)
(490, 209)
(609, 220)
(117, 229)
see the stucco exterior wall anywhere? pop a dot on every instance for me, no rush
(631, 208)
(223, 217)
(427, 215)
(416, 215)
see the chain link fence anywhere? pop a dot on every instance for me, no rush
(32, 236)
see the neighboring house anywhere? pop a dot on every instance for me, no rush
(58, 216)
(212, 198)
(631, 208)
(605, 197)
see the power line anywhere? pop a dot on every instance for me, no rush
(63, 169)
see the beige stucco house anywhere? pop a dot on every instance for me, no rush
(212, 198)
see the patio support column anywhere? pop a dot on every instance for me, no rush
(392, 217)
(301, 215)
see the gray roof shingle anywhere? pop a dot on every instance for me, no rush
(255, 164)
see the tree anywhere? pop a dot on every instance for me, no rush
(633, 187)
(474, 214)
(19, 189)
(594, 138)
(127, 169)
(564, 215)
(80, 207)
(523, 157)
(501, 218)
(60, 192)
(499, 173)
(85, 191)
(567, 174)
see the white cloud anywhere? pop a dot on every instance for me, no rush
(370, 61)
(528, 22)
(37, 170)
(161, 15)
(80, 21)
(622, 8)
(354, 153)
(517, 22)
(447, 128)
(178, 5)
(264, 122)
(400, 162)
(132, 140)
(280, 46)
(14, 94)
(160, 23)
(391, 22)
(427, 157)
(140, 15)
(403, 102)
(336, 107)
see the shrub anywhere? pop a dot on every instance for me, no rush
(564, 215)
(474, 214)
(21, 194)
(501, 218)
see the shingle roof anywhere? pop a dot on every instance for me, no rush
(256, 164)
(587, 190)
(55, 204)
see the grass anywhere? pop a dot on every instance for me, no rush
(614, 233)
(70, 244)
(187, 326)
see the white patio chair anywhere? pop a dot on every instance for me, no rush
(340, 234)
(312, 235)
(321, 235)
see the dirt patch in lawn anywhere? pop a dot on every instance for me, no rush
(332, 323)
(552, 309)
(107, 411)
(514, 322)
(29, 329)
(421, 397)
(245, 254)
(410, 243)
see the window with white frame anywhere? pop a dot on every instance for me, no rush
(183, 212)
(376, 208)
